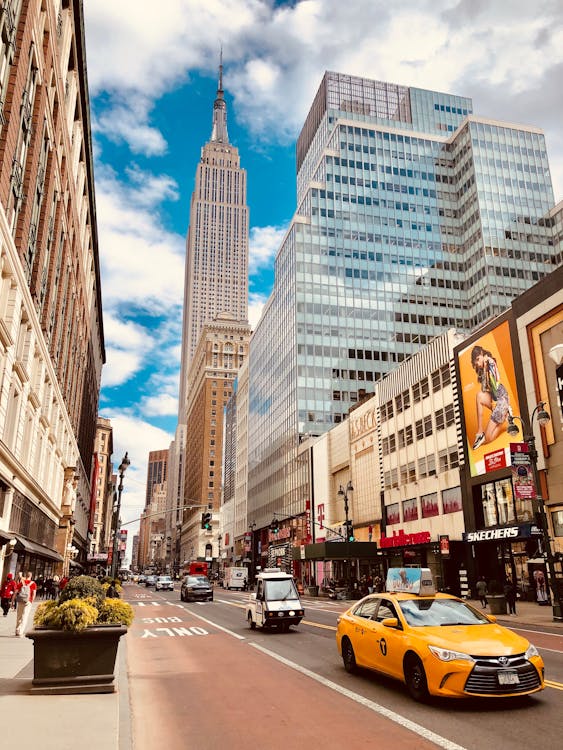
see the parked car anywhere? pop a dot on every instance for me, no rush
(141, 578)
(196, 589)
(164, 583)
(150, 580)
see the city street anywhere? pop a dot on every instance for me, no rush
(199, 677)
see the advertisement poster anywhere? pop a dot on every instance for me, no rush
(488, 387)
(523, 484)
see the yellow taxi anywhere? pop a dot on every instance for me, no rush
(435, 643)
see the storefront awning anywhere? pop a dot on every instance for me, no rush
(25, 545)
(336, 551)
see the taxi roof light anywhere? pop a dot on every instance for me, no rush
(410, 580)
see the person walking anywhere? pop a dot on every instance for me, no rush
(510, 595)
(481, 587)
(6, 593)
(23, 596)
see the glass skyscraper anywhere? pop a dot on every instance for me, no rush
(413, 216)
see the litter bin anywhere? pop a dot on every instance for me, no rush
(312, 590)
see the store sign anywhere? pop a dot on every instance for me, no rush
(445, 545)
(495, 460)
(559, 377)
(508, 533)
(523, 482)
(400, 539)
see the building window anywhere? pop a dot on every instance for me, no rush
(392, 514)
(451, 500)
(410, 510)
(429, 505)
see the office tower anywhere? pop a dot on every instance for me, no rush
(216, 272)
(222, 349)
(51, 331)
(157, 472)
(413, 216)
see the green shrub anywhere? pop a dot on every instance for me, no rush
(87, 607)
(74, 614)
(45, 614)
(115, 612)
(83, 587)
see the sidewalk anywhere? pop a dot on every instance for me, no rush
(59, 722)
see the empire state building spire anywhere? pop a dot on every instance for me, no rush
(219, 133)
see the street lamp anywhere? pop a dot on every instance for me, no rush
(122, 469)
(219, 540)
(252, 526)
(343, 493)
(542, 418)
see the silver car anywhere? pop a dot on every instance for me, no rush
(164, 583)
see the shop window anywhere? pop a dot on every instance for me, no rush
(557, 521)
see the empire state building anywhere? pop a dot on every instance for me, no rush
(216, 272)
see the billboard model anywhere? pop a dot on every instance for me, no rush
(490, 398)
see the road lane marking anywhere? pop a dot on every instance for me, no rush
(552, 684)
(213, 624)
(318, 625)
(375, 707)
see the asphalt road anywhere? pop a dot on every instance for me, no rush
(289, 690)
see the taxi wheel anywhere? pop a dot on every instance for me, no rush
(348, 656)
(415, 678)
(251, 622)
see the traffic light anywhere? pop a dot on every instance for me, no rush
(206, 521)
(275, 526)
(350, 532)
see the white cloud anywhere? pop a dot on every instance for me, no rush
(138, 438)
(256, 304)
(275, 55)
(161, 405)
(264, 243)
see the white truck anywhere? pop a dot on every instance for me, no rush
(235, 578)
(276, 603)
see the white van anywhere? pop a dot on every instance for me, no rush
(235, 578)
(276, 603)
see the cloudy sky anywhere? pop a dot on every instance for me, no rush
(152, 74)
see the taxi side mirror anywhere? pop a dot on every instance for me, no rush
(390, 622)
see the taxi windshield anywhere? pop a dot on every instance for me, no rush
(281, 590)
(436, 612)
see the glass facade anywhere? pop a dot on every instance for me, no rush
(413, 216)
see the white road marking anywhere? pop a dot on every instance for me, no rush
(214, 625)
(375, 707)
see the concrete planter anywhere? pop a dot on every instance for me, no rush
(65, 662)
(497, 604)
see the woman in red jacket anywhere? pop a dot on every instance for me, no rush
(6, 593)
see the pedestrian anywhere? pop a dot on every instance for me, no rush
(112, 590)
(481, 587)
(510, 595)
(6, 593)
(23, 596)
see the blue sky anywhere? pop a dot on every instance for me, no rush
(153, 77)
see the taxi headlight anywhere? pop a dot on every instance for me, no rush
(445, 654)
(531, 651)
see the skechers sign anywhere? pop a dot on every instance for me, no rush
(509, 533)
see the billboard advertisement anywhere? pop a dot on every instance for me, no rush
(490, 398)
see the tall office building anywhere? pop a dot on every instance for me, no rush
(216, 272)
(413, 216)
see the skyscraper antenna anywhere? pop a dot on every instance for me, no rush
(221, 69)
